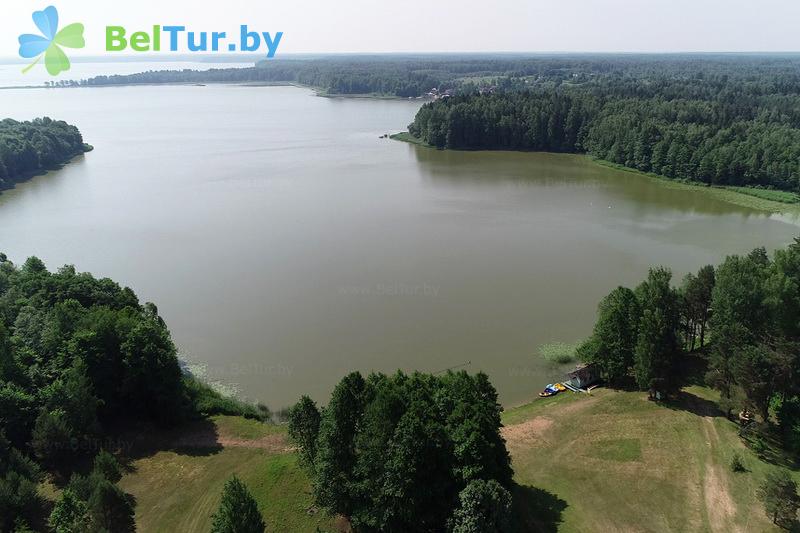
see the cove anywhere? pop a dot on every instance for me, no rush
(286, 244)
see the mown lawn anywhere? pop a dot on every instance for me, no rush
(609, 461)
(180, 490)
(614, 461)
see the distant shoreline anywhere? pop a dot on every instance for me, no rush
(318, 91)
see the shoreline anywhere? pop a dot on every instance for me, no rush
(318, 91)
(27, 176)
(727, 194)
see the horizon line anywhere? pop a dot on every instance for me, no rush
(247, 57)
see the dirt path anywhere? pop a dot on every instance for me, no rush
(205, 439)
(719, 504)
(274, 443)
(535, 432)
(202, 435)
(720, 507)
(529, 433)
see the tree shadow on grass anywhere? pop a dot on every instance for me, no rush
(623, 384)
(686, 401)
(765, 441)
(536, 509)
(197, 438)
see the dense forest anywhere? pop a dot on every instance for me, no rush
(717, 122)
(742, 318)
(404, 452)
(416, 75)
(391, 75)
(30, 147)
(80, 356)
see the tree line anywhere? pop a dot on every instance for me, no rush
(416, 75)
(30, 147)
(736, 124)
(743, 316)
(78, 356)
(400, 76)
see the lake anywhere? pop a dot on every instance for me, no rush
(286, 244)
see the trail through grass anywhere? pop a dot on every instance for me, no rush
(606, 461)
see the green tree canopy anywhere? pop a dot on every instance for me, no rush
(781, 501)
(484, 507)
(304, 419)
(394, 452)
(613, 342)
(657, 340)
(238, 511)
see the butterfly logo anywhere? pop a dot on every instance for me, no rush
(49, 43)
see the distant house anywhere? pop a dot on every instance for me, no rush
(583, 376)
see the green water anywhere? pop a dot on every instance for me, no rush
(286, 244)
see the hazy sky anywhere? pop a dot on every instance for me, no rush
(445, 25)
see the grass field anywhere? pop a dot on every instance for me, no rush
(769, 194)
(618, 462)
(609, 461)
(761, 199)
(406, 137)
(179, 489)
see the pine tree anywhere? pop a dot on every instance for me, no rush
(336, 454)
(303, 430)
(238, 511)
(70, 514)
(657, 341)
(110, 509)
(781, 501)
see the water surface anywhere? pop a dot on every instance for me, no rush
(286, 244)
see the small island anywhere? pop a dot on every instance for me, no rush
(32, 147)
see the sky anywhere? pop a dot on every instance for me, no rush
(340, 26)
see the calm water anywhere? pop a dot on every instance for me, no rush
(286, 244)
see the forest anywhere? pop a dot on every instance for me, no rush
(410, 76)
(719, 123)
(30, 147)
(79, 357)
(386, 75)
(741, 318)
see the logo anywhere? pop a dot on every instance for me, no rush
(117, 40)
(49, 43)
